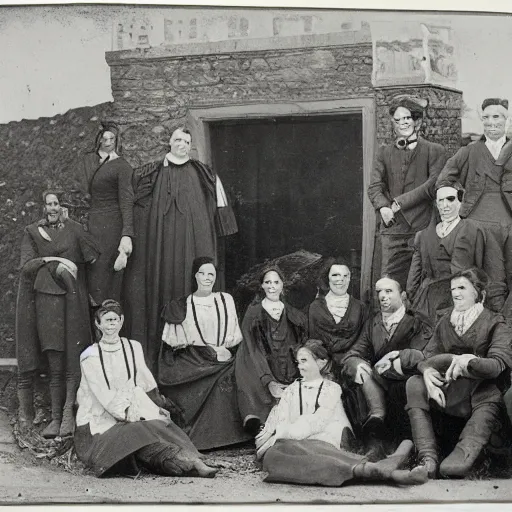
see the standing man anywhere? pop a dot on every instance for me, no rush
(402, 185)
(484, 169)
(180, 209)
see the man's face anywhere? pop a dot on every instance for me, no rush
(494, 122)
(447, 203)
(180, 144)
(388, 294)
(403, 122)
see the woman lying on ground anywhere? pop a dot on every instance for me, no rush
(302, 437)
(119, 424)
(195, 366)
(265, 362)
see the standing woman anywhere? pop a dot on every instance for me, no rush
(52, 312)
(265, 363)
(196, 363)
(107, 178)
(335, 317)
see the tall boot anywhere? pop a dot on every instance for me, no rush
(389, 468)
(376, 400)
(57, 395)
(473, 438)
(26, 408)
(67, 426)
(424, 439)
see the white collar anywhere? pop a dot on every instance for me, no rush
(169, 157)
(103, 155)
(273, 308)
(394, 318)
(337, 299)
(463, 320)
(314, 384)
(110, 347)
(445, 227)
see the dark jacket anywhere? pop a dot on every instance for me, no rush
(472, 165)
(415, 191)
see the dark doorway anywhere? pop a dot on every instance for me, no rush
(296, 183)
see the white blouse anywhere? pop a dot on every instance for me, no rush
(217, 325)
(285, 420)
(102, 404)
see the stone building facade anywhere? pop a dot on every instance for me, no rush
(296, 78)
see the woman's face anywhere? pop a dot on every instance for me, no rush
(108, 142)
(309, 367)
(52, 208)
(339, 279)
(272, 285)
(206, 276)
(110, 323)
(464, 294)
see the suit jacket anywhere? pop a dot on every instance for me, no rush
(410, 337)
(415, 192)
(472, 166)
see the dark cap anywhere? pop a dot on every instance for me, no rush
(455, 184)
(494, 101)
(414, 104)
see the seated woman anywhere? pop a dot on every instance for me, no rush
(335, 317)
(119, 424)
(265, 362)
(196, 365)
(301, 440)
(52, 312)
(465, 374)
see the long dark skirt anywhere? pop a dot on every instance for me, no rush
(103, 281)
(118, 444)
(205, 390)
(309, 461)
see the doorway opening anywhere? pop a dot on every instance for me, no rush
(296, 182)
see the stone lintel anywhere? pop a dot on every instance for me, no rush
(399, 88)
(300, 42)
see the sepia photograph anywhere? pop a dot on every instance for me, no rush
(256, 254)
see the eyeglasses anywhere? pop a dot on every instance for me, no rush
(404, 118)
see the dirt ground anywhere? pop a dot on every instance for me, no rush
(28, 477)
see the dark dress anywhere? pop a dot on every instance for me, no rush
(266, 354)
(337, 337)
(436, 259)
(52, 311)
(176, 220)
(110, 218)
(201, 386)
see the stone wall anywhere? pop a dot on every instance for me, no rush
(151, 97)
(442, 121)
(35, 155)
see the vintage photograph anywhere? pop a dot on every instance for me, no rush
(254, 255)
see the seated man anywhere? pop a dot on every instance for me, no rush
(385, 355)
(465, 373)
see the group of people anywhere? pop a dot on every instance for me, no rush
(129, 321)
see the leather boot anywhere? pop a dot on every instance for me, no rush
(57, 395)
(473, 438)
(376, 400)
(26, 409)
(424, 439)
(383, 469)
(67, 427)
